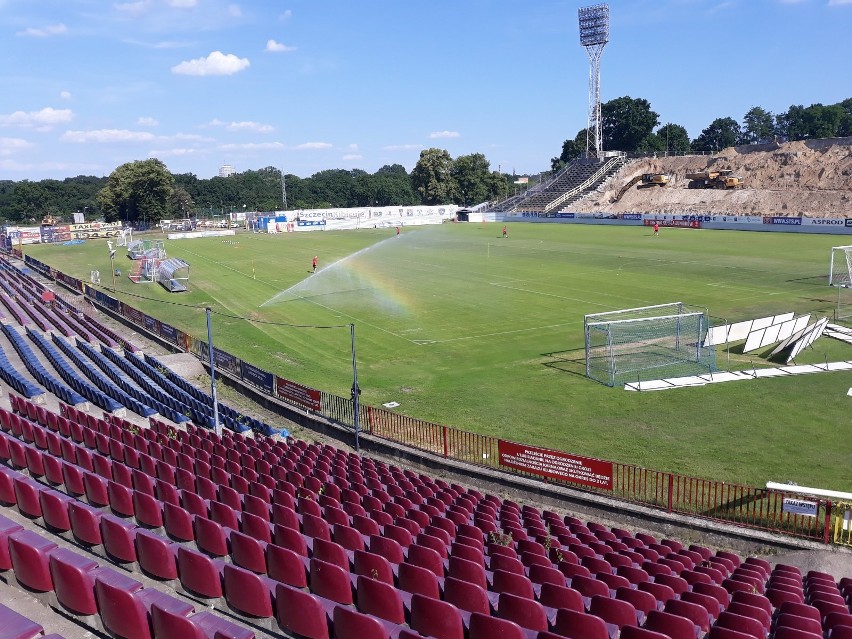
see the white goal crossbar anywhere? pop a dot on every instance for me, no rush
(625, 344)
(840, 271)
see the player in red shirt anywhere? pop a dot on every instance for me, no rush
(314, 263)
(505, 232)
(656, 229)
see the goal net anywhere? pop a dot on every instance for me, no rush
(840, 273)
(651, 342)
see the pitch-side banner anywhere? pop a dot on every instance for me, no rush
(556, 465)
(687, 224)
(256, 376)
(297, 394)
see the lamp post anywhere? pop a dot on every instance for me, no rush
(356, 392)
(112, 265)
(217, 427)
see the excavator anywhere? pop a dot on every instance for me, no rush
(646, 179)
(722, 179)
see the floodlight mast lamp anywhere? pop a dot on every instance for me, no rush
(594, 34)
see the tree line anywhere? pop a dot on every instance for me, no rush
(145, 191)
(630, 125)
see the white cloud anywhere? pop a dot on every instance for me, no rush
(217, 63)
(276, 47)
(164, 153)
(313, 146)
(65, 95)
(106, 136)
(250, 126)
(235, 11)
(352, 156)
(47, 117)
(183, 4)
(44, 32)
(133, 8)
(722, 6)
(11, 145)
(188, 137)
(146, 121)
(441, 135)
(252, 146)
(247, 125)
(403, 147)
(286, 15)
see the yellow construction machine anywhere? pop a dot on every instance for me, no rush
(722, 179)
(644, 179)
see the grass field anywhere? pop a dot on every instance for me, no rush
(464, 328)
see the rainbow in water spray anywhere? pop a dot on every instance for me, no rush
(359, 274)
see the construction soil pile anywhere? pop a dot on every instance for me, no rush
(810, 178)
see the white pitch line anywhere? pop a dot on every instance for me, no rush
(741, 288)
(517, 330)
(561, 297)
(353, 317)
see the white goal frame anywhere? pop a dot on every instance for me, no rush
(840, 270)
(621, 345)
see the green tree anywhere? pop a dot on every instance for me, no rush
(813, 122)
(758, 126)
(30, 202)
(791, 124)
(432, 176)
(137, 191)
(673, 139)
(845, 129)
(470, 179)
(571, 150)
(823, 121)
(626, 123)
(332, 188)
(180, 203)
(722, 133)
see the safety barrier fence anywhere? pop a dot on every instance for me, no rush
(843, 524)
(746, 506)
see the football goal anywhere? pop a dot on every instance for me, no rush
(840, 273)
(651, 342)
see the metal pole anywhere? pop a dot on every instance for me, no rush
(112, 266)
(217, 427)
(356, 391)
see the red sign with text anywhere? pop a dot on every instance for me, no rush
(297, 394)
(556, 465)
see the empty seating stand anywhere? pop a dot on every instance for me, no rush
(173, 532)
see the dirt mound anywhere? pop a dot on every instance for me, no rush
(808, 178)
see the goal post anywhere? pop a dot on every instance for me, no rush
(650, 342)
(840, 271)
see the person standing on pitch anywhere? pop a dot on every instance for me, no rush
(505, 232)
(314, 263)
(397, 231)
(656, 229)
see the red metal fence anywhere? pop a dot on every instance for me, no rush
(745, 506)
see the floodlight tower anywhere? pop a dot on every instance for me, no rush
(594, 34)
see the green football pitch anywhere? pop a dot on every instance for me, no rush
(465, 328)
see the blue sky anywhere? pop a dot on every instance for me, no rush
(307, 85)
